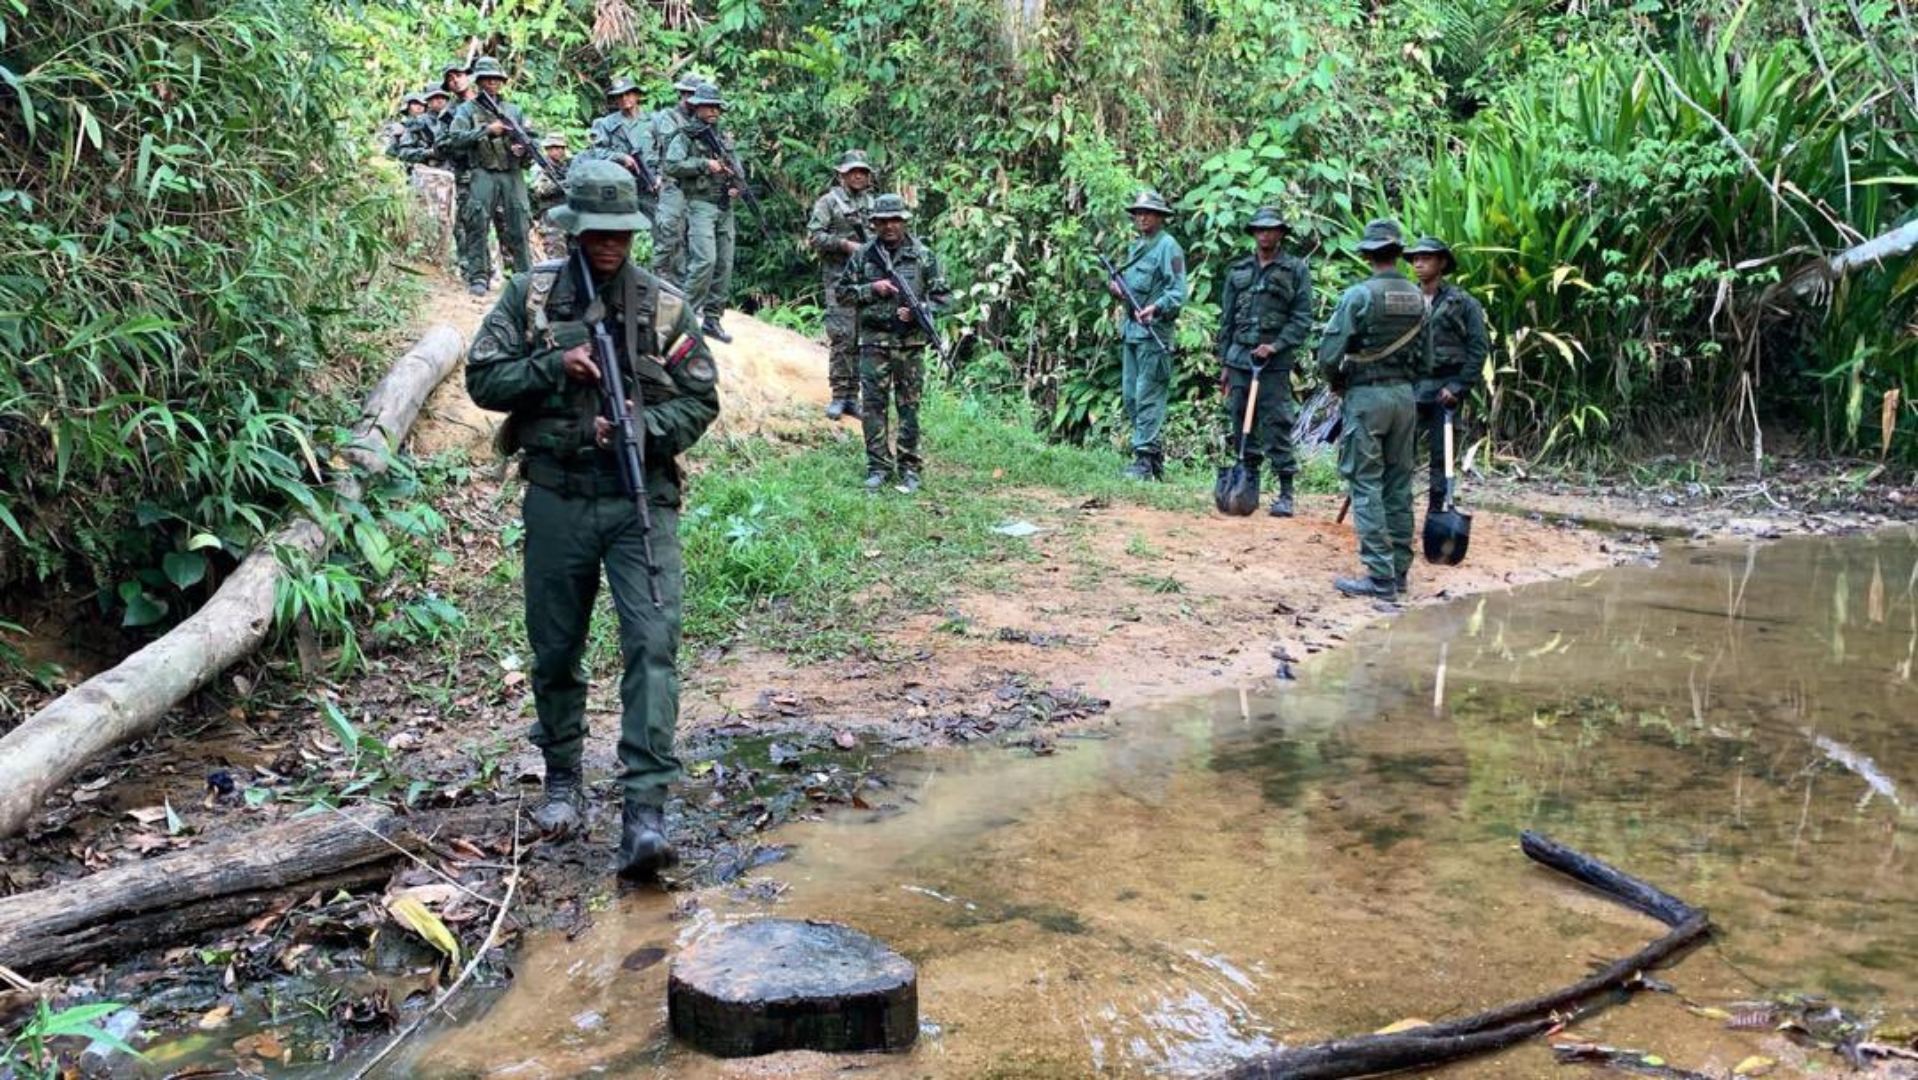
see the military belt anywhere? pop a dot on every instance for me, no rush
(572, 483)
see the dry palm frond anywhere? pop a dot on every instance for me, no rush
(614, 23)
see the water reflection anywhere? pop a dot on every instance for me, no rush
(1337, 854)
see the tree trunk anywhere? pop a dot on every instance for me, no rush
(159, 901)
(41, 754)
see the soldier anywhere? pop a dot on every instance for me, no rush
(457, 83)
(1455, 324)
(1264, 316)
(1371, 353)
(533, 359)
(836, 230)
(1154, 269)
(548, 193)
(499, 179)
(892, 347)
(709, 186)
(400, 135)
(669, 217)
(622, 137)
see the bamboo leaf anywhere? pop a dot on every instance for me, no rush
(415, 916)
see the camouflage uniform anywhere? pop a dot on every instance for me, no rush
(548, 193)
(578, 520)
(1154, 269)
(1265, 305)
(498, 186)
(710, 228)
(1455, 324)
(669, 215)
(1373, 352)
(619, 135)
(892, 353)
(459, 162)
(839, 216)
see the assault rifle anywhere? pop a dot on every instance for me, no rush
(1132, 305)
(921, 314)
(725, 155)
(628, 444)
(520, 136)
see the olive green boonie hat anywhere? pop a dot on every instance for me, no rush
(427, 95)
(457, 66)
(1149, 201)
(553, 140)
(1381, 234)
(889, 206)
(707, 94)
(1267, 217)
(622, 85)
(850, 160)
(1432, 245)
(487, 68)
(600, 197)
(688, 83)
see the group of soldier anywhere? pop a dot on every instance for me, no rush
(688, 170)
(1402, 354)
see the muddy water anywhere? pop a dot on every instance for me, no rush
(1336, 854)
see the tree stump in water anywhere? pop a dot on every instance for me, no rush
(782, 984)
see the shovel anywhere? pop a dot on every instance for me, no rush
(1448, 532)
(1236, 492)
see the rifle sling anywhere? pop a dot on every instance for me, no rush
(1379, 354)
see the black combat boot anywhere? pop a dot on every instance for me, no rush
(643, 848)
(853, 410)
(477, 288)
(836, 408)
(1282, 506)
(875, 480)
(562, 807)
(1141, 467)
(1403, 583)
(711, 328)
(1157, 461)
(1376, 588)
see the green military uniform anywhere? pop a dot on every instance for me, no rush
(892, 352)
(838, 216)
(548, 193)
(421, 146)
(1265, 306)
(577, 518)
(669, 217)
(498, 195)
(1373, 353)
(1154, 270)
(412, 143)
(618, 135)
(710, 228)
(1455, 327)
(460, 163)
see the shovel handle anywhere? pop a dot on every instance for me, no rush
(1448, 446)
(1251, 405)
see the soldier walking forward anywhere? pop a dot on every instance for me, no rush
(623, 137)
(707, 180)
(892, 347)
(533, 359)
(1265, 314)
(669, 216)
(1372, 353)
(498, 194)
(837, 229)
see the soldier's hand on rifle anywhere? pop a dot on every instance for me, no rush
(904, 315)
(578, 363)
(1113, 288)
(497, 127)
(1148, 313)
(631, 165)
(518, 150)
(732, 193)
(851, 246)
(882, 287)
(715, 166)
(603, 430)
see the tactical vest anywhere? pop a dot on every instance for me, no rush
(879, 320)
(849, 222)
(1387, 348)
(494, 152)
(1447, 322)
(616, 134)
(457, 160)
(707, 186)
(1263, 298)
(561, 427)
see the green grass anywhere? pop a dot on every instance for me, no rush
(791, 552)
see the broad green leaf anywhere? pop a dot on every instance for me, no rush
(184, 569)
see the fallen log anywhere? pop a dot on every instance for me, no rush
(1816, 278)
(172, 898)
(129, 700)
(1495, 1029)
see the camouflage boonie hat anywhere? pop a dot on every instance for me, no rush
(622, 85)
(688, 83)
(889, 206)
(600, 197)
(850, 160)
(487, 68)
(1149, 201)
(411, 99)
(1381, 234)
(707, 94)
(1268, 217)
(554, 139)
(427, 95)
(1432, 245)
(457, 66)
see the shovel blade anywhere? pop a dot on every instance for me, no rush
(1236, 492)
(1447, 535)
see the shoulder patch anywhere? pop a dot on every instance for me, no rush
(539, 289)
(702, 369)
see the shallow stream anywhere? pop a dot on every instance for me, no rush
(1333, 855)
